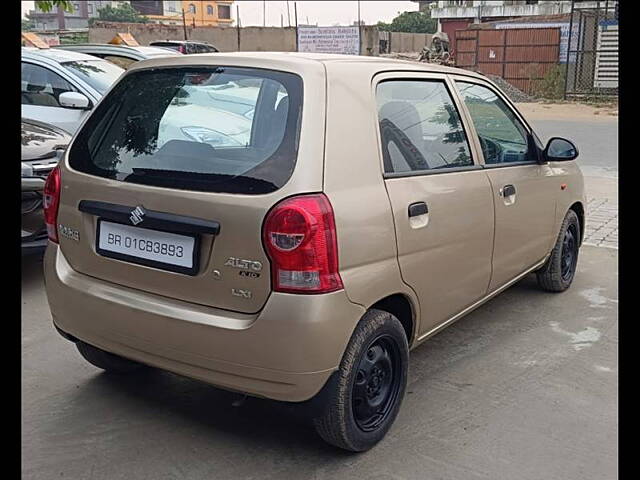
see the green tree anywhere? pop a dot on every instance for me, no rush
(122, 13)
(412, 22)
(48, 6)
(28, 24)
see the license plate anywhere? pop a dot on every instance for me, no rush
(154, 248)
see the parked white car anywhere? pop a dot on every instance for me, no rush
(60, 87)
(122, 55)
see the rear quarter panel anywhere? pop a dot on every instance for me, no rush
(354, 184)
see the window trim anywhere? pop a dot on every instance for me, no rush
(434, 171)
(484, 83)
(412, 75)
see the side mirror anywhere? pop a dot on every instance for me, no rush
(560, 150)
(73, 100)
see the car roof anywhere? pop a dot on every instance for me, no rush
(298, 60)
(57, 55)
(106, 47)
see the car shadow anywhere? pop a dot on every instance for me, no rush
(31, 270)
(259, 422)
(211, 412)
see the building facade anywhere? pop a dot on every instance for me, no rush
(455, 15)
(196, 13)
(58, 19)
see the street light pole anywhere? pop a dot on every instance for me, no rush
(184, 25)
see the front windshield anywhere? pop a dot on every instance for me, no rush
(100, 74)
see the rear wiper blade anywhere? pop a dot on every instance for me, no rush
(205, 181)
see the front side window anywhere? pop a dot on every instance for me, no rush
(502, 137)
(420, 128)
(196, 128)
(41, 86)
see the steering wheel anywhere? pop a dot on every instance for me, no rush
(492, 150)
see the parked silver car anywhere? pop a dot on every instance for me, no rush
(122, 55)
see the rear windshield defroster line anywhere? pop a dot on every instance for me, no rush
(212, 129)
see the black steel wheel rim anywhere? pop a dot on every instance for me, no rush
(569, 254)
(376, 383)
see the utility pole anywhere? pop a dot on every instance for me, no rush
(184, 25)
(238, 24)
(288, 16)
(295, 13)
(359, 31)
(264, 13)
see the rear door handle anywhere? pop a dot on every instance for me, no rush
(418, 208)
(507, 191)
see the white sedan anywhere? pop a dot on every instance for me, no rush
(60, 87)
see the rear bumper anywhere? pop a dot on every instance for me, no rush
(286, 352)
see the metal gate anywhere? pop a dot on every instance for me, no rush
(521, 56)
(592, 68)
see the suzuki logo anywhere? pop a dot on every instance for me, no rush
(137, 215)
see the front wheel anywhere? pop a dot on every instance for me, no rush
(372, 379)
(557, 274)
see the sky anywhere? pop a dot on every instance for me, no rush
(324, 13)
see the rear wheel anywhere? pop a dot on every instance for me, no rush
(372, 379)
(557, 274)
(105, 360)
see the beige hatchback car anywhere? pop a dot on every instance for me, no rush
(290, 225)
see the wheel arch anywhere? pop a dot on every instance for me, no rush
(402, 307)
(578, 208)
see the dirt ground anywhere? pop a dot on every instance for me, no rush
(569, 111)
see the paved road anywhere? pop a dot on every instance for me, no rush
(597, 141)
(522, 388)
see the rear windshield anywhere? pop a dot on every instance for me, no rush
(214, 129)
(172, 46)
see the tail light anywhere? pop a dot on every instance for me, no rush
(299, 235)
(51, 202)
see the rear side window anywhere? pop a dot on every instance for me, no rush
(213, 129)
(166, 45)
(420, 127)
(122, 62)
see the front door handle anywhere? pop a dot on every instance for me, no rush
(418, 208)
(507, 191)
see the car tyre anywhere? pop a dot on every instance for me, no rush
(557, 273)
(371, 381)
(107, 361)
